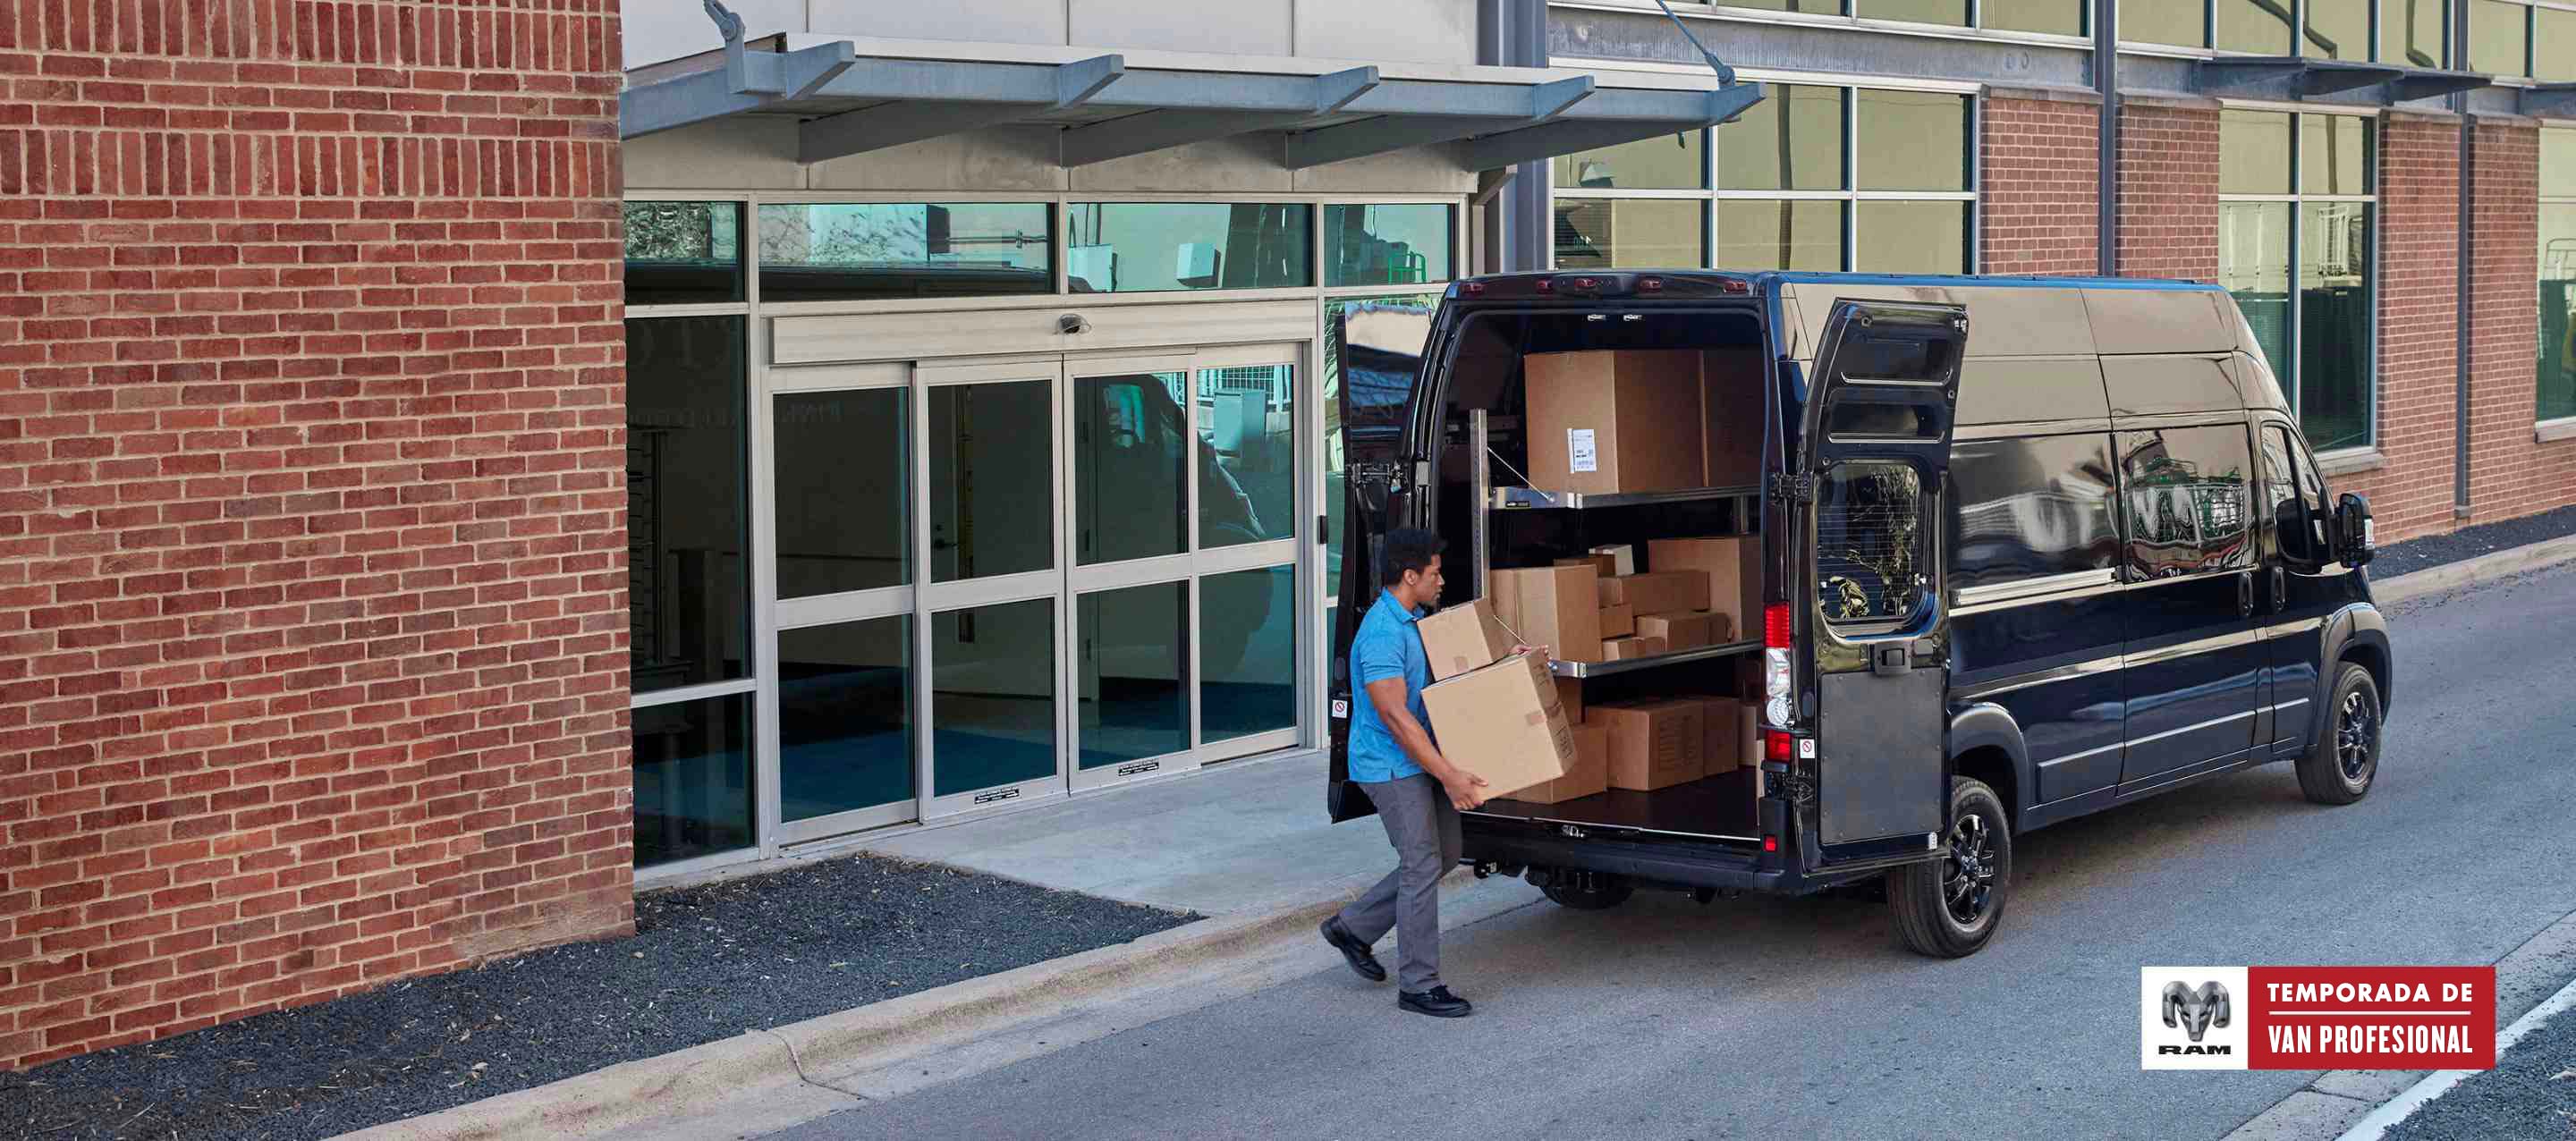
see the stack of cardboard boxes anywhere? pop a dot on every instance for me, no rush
(1600, 608)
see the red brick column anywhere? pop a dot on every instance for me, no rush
(2039, 153)
(2419, 331)
(312, 643)
(2510, 472)
(2168, 189)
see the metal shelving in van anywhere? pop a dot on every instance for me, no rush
(1677, 657)
(1528, 498)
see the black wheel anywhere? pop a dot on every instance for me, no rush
(1589, 891)
(2341, 765)
(1948, 908)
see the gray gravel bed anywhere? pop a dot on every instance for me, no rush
(2530, 1093)
(2470, 542)
(705, 963)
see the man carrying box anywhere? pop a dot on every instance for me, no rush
(1417, 791)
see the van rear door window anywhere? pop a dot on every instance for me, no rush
(1870, 542)
(2188, 497)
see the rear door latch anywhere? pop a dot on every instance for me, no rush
(1888, 658)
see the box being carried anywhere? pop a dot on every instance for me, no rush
(1462, 638)
(1503, 723)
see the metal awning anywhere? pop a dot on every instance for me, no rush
(2556, 100)
(851, 102)
(2291, 77)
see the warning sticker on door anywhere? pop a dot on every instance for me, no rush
(1579, 453)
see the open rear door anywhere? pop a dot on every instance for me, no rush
(1876, 446)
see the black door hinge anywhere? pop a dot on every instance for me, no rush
(1787, 488)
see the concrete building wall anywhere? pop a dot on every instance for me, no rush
(2040, 153)
(312, 653)
(2418, 327)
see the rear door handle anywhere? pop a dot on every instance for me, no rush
(2280, 590)
(2245, 594)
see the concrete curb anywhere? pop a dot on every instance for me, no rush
(2472, 572)
(2439, 1082)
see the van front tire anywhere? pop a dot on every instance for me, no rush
(2343, 763)
(1948, 908)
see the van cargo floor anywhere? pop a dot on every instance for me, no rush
(1720, 806)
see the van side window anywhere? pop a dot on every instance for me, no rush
(2186, 496)
(1870, 542)
(2030, 507)
(2296, 501)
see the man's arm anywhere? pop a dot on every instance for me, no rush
(1464, 788)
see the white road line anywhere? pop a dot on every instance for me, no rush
(2439, 1082)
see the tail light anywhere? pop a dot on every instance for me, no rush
(1775, 676)
(1472, 288)
(1545, 284)
(1777, 746)
(1650, 285)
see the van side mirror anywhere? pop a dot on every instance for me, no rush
(2355, 540)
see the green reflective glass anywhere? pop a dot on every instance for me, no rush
(1247, 652)
(2499, 37)
(2179, 22)
(2337, 29)
(1665, 162)
(1913, 140)
(1247, 419)
(849, 251)
(2261, 27)
(2062, 17)
(1146, 247)
(1389, 243)
(1757, 235)
(1910, 237)
(2553, 45)
(2334, 324)
(2558, 162)
(1791, 140)
(2254, 265)
(2415, 33)
(2557, 310)
(2335, 154)
(1810, 7)
(991, 511)
(1953, 12)
(844, 716)
(2254, 152)
(1607, 233)
(683, 253)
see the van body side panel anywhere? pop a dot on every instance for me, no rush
(2054, 666)
(2193, 674)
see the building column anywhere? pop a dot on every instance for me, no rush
(2415, 406)
(2039, 165)
(2168, 188)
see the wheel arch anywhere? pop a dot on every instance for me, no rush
(1986, 744)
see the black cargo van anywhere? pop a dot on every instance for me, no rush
(2029, 548)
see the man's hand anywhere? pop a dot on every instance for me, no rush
(1541, 651)
(1466, 790)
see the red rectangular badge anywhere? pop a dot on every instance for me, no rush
(2370, 1018)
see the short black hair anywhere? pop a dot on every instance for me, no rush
(1409, 549)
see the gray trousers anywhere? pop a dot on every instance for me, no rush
(1423, 826)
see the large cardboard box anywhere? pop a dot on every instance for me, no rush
(1623, 649)
(1555, 607)
(1618, 621)
(1722, 735)
(1653, 744)
(1681, 629)
(1733, 565)
(1609, 420)
(1569, 693)
(1590, 775)
(1622, 556)
(1503, 723)
(1656, 592)
(1602, 565)
(1462, 638)
(1730, 404)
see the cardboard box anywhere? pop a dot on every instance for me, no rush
(1590, 775)
(1462, 638)
(1721, 734)
(1622, 556)
(1748, 729)
(1733, 565)
(1608, 420)
(1569, 693)
(1555, 607)
(1503, 723)
(1681, 629)
(1618, 621)
(1730, 405)
(1656, 592)
(1622, 649)
(1602, 565)
(1653, 744)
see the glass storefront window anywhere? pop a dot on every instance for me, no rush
(2299, 266)
(2261, 27)
(1665, 162)
(1913, 140)
(1132, 664)
(1952, 12)
(1812, 7)
(852, 251)
(2499, 37)
(687, 515)
(2339, 29)
(992, 695)
(2253, 152)
(2334, 324)
(683, 253)
(1389, 244)
(1609, 233)
(2182, 23)
(2553, 45)
(1247, 652)
(2254, 266)
(2415, 33)
(1372, 350)
(2335, 154)
(843, 478)
(693, 792)
(844, 717)
(1803, 234)
(1791, 140)
(1910, 237)
(2062, 17)
(1247, 419)
(2557, 365)
(1145, 247)
(992, 462)
(1128, 449)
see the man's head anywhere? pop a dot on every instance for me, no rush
(1412, 570)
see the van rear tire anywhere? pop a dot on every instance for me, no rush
(1950, 907)
(2344, 762)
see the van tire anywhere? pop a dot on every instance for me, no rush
(1920, 895)
(1605, 892)
(2343, 762)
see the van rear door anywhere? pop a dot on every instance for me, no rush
(1876, 444)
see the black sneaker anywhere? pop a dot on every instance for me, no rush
(1354, 952)
(1436, 1002)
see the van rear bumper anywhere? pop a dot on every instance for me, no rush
(1658, 862)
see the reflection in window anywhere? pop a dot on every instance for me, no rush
(1248, 652)
(1910, 237)
(2335, 154)
(687, 524)
(1143, 247)
(1791, 140)
(2178, 22)
(844, 717)
(2294, 498)
(1913, 140)
(2415, 33)
(1753, 234)
(2030, 507)
(1869, 542)
(2298, 266)
(2186, 499)
(2062, 17)
(1372, 349)
(2334, 324)
(2553, 45)
(992, 463)
(692, 778)
(2254, 266)
(683, 253)
(2558, 305)
(2258, 26)
(992, 696)
(1613, 233)
(1665, 162)
(1132, 661)
(1388, 244)
(1247, 454)
(2499, 37)
(2340, 29)
(2254, 151)
(1952, 12)
(1128, 448)
(842, 478)
(845, 251)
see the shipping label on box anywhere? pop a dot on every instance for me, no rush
(1503, 723)
(1555, 607)
(1464, 637)
(1627, 418)
(1653, 744)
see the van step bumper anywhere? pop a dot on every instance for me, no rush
(1656, 863)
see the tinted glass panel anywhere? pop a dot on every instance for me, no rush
(992, 508)
(2258, 26)
(1791, 140)
(992, 695)
(692, 778)
(1128, 448)
(1387, 244)
(1667, 162)
(2254, 265)
(1869, 542)
(1913, 140)
(1144, 247)
(2553, 44)
(2187, 494)
(1918, 11)
(2558, 162)
(2030, 507)
(1605, 233)
(843, 522)
(2335, 154)
(2298, 522)
(2498, 37)
(2178, 22)
(1911, 237)
(2334, 324)
(1804, 234)
(2557, 310)
(2340, 29)
(683, 253)
(1372, 349)
(687, 521)
(844, 716)
(1247, 454)
(1131, 662)
(2414, 34)
(1248, 650)
(852, 250)
(2063, 17)
(1813, 7)
(2253, 152)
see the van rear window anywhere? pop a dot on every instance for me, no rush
(1870, 542)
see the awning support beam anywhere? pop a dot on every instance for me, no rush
(1391, 133)
(2289, 76)
(1161, 130)
(709, 95)
(2557, 100)
(894, 124)
(1566, 136)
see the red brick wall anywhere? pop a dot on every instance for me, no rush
(2168, 189)
(2039, 153)
(312, 643)
(2510, 473)
(2418, 295)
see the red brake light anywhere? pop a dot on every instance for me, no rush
(1776, 746)
(1650, 285)
(1775, 626)
(1731, 285)
(1546, 285)
(1587, 283)
(1770, 843)
(1472, 288)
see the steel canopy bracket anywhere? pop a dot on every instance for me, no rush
(2290, 77)
(2557, 100)
(2424, 83)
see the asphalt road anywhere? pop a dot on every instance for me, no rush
(1804, 1018)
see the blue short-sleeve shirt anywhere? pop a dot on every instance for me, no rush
(1387, 646)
